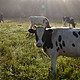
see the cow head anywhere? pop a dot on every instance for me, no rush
(73, 25)
(40, 34)
(46, 21)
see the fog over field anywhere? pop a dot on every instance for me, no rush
(50, 8)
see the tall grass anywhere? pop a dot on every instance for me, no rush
(21, 60)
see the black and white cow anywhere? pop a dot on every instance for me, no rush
(57, 42)
(39, 20)
(69, 20)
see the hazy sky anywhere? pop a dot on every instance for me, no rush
(51, 8)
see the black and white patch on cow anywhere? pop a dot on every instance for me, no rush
(69, 20)
(58, 41)
(75, 34)
(63, 43)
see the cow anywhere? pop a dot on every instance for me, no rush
(69, 20)
(1, 18)
(39, 20)
(58, 42)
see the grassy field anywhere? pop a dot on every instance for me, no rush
(21, 60)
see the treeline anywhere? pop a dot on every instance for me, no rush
(53, 9)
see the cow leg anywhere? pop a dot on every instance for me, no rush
(64, 23)
(32, 25)
(53, 63)
(69, 24)
(2, 20)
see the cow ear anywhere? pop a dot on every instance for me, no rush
(32, 31)
(49, 31)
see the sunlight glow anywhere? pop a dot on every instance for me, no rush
(64, 0)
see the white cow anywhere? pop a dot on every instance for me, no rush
(39, 20)
(58, 41)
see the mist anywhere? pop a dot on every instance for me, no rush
(53, 9)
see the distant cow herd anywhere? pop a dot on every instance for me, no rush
(41, 20)
(56, 41)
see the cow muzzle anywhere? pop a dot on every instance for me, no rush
(39, 45)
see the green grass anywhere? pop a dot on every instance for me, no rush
(21, 60)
